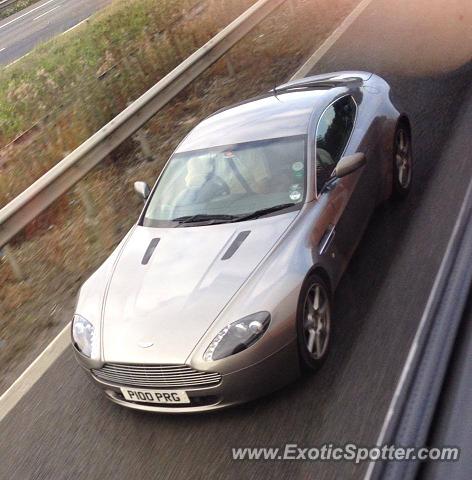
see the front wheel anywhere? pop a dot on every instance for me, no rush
(313, 323)
(402, 161)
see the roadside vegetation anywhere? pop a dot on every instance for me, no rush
(95, 71)
(56, 97)
(69, 68)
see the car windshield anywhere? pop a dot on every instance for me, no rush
(230, 182)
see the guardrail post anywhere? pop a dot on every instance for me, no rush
(92, 224)
(229, 65)
(292, 5)
(141, 137)
(175, 45)
(87, 202)
(14, 265)
(135, 69)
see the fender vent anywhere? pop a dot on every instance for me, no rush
(235, 245)
(150, 250)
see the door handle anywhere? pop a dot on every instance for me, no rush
(326, 239)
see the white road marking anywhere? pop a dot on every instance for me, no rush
(75, 26)
(17, 60)
(25, 14)
(58, 346)
(26, 54)
(34, 372)
(331, 40)
(45, 13)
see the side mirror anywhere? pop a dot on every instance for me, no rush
(349, 164)
(142, 188)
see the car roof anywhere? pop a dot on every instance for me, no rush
(283, 112)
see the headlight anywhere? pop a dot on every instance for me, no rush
(84, 336)
(237, 336)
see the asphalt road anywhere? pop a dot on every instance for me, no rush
(21, 32)
(65, 429)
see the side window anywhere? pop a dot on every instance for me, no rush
(332, 135)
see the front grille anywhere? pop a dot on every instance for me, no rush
(156, 376)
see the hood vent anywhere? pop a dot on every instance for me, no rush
(236, 244)
(150, 250)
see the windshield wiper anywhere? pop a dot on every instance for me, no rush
(264, 211)
(223, 218)
(203, 217)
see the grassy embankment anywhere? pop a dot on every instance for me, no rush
(72, 85)
(64, 253)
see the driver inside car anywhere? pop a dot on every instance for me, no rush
(201, 181)
(212, 176)
(245, 171)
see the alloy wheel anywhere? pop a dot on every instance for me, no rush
(316, 321)
(403, 158)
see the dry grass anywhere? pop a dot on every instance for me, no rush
(67, 247)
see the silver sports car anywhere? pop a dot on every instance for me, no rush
(222, 291)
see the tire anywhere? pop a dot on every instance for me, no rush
(402, 161)
(313, 323)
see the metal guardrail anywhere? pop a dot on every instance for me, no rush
(6, 3)
(64, 175)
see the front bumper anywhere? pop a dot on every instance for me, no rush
(236, 387)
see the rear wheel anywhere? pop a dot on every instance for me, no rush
(402, 161)
(313, 322)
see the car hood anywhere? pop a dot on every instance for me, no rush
(157, 311)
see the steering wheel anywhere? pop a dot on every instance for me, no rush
(224, 187)
(215, 186)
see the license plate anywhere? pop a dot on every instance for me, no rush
(155, 396)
